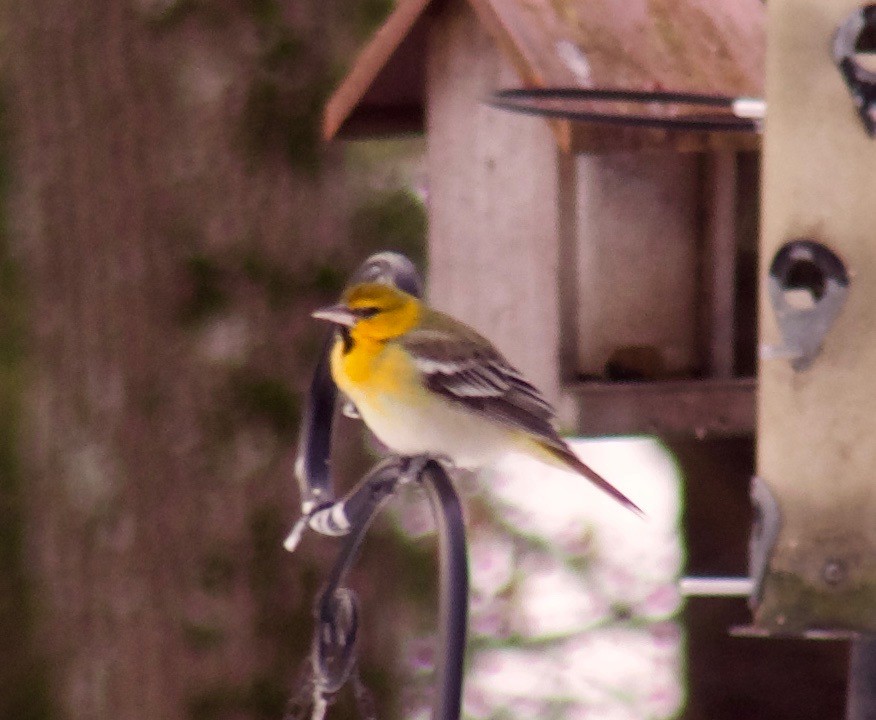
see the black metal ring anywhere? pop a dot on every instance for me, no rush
(523, 100)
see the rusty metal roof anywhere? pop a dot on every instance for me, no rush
(703, 46)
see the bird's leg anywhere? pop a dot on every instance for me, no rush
(349, 410)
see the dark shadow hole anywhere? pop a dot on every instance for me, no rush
(806, 275)
(866, 40)
(865, 43)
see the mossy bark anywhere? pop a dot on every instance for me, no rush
(162, 379)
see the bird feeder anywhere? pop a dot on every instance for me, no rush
(816, 452)
(603, 258)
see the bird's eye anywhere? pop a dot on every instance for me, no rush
(367, 312)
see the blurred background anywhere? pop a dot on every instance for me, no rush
(169, 219)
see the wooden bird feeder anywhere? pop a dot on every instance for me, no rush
(604, 260)
(816, 450)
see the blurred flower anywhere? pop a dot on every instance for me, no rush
(572, 595)
(492, 563)
(554, 602)
(420, 655)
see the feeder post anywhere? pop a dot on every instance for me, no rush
(817, 424)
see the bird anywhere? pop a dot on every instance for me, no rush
(428, 385)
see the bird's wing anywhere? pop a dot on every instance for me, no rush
(462, 367)
(465, 369)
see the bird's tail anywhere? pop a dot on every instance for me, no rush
(558, 453)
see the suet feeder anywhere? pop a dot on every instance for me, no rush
(602, 258)
(816, 451)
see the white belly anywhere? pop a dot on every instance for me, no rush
(435, 427)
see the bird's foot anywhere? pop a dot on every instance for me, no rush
(349, 410)
(413, 466)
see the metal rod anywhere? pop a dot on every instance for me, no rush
(453, 591)
(337, 619)
(862, 679)
(335, 639)
(336, 634)
(361, 505)
(715, 586)
(314, 445)
(529, 102)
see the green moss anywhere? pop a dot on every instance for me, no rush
(206, 294)
(417, 568)
(791, 606)
(281, 118)
(268, 400)
(213, 15)
(380, 683)
(172, 14)
(284, 102)
(263, 697)
(267, 698)
(283, 51)
(264, 12)
(218, 573)
(263, 112)
(24, 677)
(148, 396)
(279, 285)
(201, 637)
(368, 16)
(284, 634)
(391, 220)
(328, 278)
(266, 529)
(216, 702)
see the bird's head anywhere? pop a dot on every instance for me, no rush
(374, 311)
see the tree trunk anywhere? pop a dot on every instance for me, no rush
(173, 220)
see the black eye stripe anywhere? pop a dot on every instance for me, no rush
(367, 312)
(347, 338)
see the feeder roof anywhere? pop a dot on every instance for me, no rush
(702, 46)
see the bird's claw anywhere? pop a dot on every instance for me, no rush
(412, 467)
(349, 410)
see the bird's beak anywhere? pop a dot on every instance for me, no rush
(337, 314)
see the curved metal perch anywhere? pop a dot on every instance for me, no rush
(335, 639)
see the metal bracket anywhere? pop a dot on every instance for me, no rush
(764, 533)
(812, 271)
(335, 640)
(858, 34)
